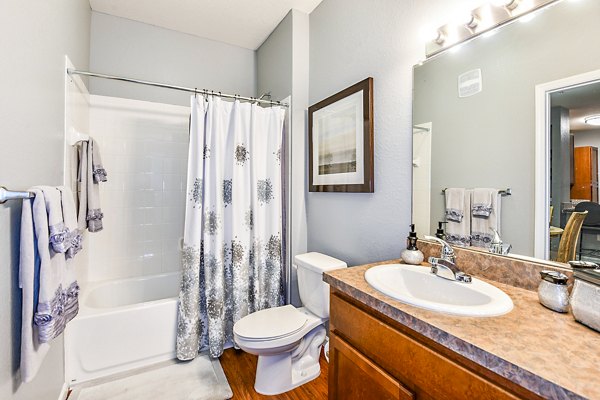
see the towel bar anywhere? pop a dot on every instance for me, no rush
(6, 195)
(506, 192)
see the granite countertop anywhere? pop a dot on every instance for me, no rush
(546, 352)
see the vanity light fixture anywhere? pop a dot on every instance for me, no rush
(441, 38)
(480, 21)
(508, 4)
(472, 22)
(593, 120)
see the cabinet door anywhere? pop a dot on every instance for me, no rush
(354, 376)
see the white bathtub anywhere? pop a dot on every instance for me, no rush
(122, 324)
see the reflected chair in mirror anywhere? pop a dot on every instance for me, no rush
(591, 226)
(567, 247)
(554, 230)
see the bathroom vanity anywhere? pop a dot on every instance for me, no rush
(383, 349)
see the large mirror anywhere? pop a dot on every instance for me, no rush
(479, 124)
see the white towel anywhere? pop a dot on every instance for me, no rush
(56, 225)
(481, 232)
(481, 204)
(90, 174)
(459, 201)
(58, 289)
(455, 204)
(32, 351)
(82, 177)
(74, 234)
(49, 289)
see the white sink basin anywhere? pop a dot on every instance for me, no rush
(416, 286)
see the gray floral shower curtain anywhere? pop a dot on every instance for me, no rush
(232, 253)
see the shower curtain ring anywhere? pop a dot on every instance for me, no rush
(195, 93)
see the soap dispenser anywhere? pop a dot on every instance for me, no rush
(440, 234)
(412, 255)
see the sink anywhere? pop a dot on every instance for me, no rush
(417, 286)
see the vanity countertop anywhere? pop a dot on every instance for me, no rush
(546, 352)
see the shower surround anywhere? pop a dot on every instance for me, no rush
(133, 267)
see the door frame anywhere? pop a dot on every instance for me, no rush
(541, 225)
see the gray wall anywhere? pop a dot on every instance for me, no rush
(133, 49)
(487, 140)
(560, 136)
(274, 61)
(283, 70)
(349, 41)
(34, 37)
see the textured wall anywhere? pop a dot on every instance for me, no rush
(349, 41)
(133, 49)
(34, 38)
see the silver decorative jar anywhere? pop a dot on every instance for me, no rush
(552, 291)
(585, 298)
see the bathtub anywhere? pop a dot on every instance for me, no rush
(121, 325)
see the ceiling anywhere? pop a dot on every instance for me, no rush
(581, 101)
(244, 23)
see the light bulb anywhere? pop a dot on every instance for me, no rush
(509, 4)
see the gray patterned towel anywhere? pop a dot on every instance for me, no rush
(90, 174)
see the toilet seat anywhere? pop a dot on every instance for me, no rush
(271, 324)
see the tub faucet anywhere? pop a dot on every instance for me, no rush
(445, 266)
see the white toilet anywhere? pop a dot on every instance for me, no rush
(286, 339)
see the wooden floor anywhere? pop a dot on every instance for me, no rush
(240, 369)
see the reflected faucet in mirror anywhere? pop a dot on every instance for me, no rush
(497, 247)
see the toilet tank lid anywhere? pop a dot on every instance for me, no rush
(318, 262)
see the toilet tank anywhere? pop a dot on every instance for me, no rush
(314, 293)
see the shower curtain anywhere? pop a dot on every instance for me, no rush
(232, 252)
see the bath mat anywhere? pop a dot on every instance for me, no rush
(200, 379)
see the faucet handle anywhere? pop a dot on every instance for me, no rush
(447, 251)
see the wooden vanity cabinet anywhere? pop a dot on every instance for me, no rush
(374, 357)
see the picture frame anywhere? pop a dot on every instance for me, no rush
(340, 141)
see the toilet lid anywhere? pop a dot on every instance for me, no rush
(271, 323)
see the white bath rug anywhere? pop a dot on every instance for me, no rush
(200, 379)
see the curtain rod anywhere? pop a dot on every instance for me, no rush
(71, 71)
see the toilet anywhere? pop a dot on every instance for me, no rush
(286, 339)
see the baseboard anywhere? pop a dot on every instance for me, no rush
(63, 392)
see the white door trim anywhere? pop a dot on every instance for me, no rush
(541, 244)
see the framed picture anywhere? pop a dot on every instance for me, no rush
(340, 141)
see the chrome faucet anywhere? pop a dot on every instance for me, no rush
(445, 266)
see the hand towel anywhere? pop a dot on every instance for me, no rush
(458, 232)
(481, 205)
(90, 174)
(58, 289)
(58, 231)
(32, 351)
(94, 213)
(481, 232)
(75, 237)
(455, 204)
(98, 169)
(82, 177)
